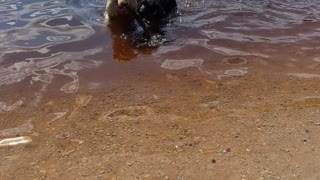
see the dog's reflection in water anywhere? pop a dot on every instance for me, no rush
(128, 41)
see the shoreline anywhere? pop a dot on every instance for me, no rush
(172, 124)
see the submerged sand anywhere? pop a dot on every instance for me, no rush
(183, 124)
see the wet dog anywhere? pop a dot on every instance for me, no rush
(116, 8)
(147, 12)
(121, 17)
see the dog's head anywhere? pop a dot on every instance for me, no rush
(126, 3)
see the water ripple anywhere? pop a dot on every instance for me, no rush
(42, 35)
(254, 21)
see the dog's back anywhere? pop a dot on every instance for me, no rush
(155, 10)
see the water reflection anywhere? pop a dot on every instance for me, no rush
(128, 40)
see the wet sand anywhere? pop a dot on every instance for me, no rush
(220, 101)
(169, 125)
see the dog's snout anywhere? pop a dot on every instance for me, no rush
(122, 3)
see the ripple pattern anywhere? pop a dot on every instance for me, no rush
(33, 36)
(42, 39)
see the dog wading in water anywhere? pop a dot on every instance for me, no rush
(147, 12)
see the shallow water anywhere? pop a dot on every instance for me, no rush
(40, 36)
(54, 47)
(51, 41)
(43, 43)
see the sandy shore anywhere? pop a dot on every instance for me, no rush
(258, 123)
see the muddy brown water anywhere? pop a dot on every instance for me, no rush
(231, 92)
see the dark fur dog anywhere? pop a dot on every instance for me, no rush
(155, 10)
(121, 17)
(146, 12)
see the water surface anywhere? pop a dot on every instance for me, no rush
(44, 39)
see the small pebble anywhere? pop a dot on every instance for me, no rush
(227, 150)
(307, 131)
